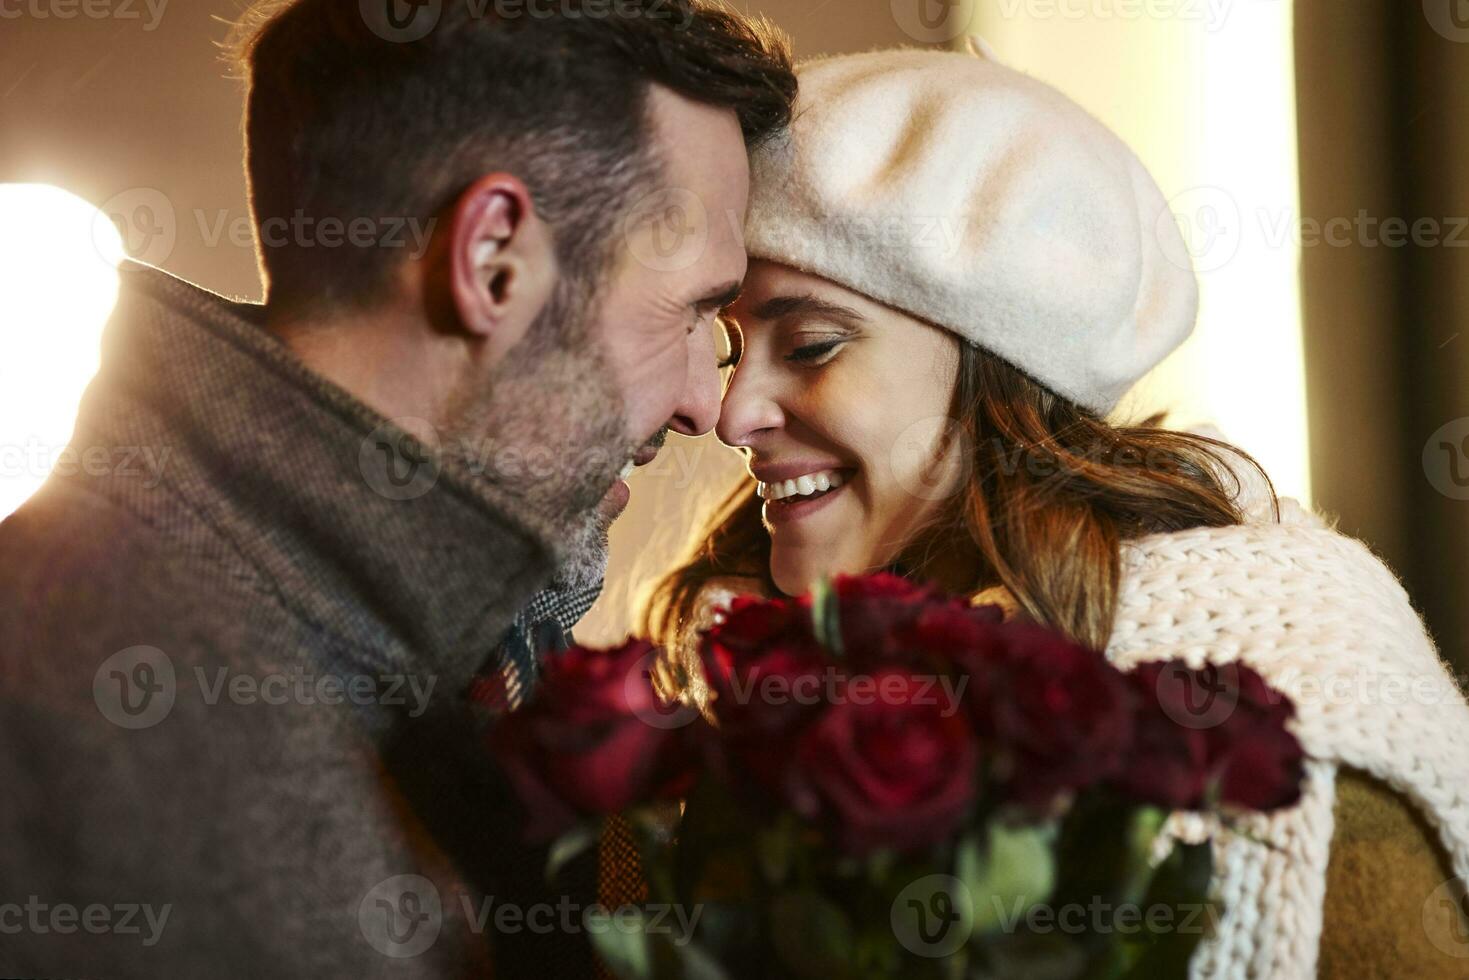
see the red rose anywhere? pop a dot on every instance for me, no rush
(751, 623)
(1169, 763)
(955, 633)
(1258, 763)
(1220, 732)
(1060, 713)
(591, 742)
(764, 669)
(875, 614)
(762, 649)
(890, 764)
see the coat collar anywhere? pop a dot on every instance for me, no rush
(402, 555)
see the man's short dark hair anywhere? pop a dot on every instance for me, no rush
(356, 127)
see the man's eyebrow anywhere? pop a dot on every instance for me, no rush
(808, 305)
(721, 297)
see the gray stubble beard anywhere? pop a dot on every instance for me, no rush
(554, 389)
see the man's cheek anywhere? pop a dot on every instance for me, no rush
(650, 388)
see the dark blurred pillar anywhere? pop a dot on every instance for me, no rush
(1384, 120)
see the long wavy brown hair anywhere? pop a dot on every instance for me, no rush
(1051, 493)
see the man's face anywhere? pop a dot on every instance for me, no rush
(640, 359)
(682, 259)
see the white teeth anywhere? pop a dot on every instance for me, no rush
(626, 471)
(802, 486)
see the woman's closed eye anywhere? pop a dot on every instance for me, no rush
(816, 354)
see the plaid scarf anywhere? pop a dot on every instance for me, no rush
(541, 629)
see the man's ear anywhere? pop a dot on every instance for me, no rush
(502, 262)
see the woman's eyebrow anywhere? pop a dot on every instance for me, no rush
(806, 304)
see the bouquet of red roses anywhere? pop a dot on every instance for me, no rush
(896, 783)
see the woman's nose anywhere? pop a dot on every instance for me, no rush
(750, 407)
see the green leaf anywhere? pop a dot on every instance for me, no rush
(626, 951)
(825, 617)
(569, 845)
(1012, 872)
(1164, 948)
(635, 948)
(1142, 831)
(697, 963)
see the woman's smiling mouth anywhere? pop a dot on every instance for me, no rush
(800, 495)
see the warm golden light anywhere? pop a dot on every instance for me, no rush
(58, 283)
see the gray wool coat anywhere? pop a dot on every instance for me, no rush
(236, 628)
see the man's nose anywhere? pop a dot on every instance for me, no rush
(698, 408)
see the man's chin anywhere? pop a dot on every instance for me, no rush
(586, 562)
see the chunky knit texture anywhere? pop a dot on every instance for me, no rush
(1327, 622)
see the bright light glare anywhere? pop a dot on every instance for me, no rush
(1205, 93)
(58, 284)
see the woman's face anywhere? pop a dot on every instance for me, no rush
(832, 389)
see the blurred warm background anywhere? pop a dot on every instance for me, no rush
(1315, 153)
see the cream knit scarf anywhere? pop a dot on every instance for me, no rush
(1324, 620)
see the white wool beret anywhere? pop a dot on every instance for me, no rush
(973, 197)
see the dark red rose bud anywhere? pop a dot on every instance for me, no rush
(751, 623)
(764, 669)
(890, 764)
(875, 611)
(1262, 770)
(1168, 765)
(1258, 763)
(595, 740)
(955, 633)
(1060, 712)
(1214, 733)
